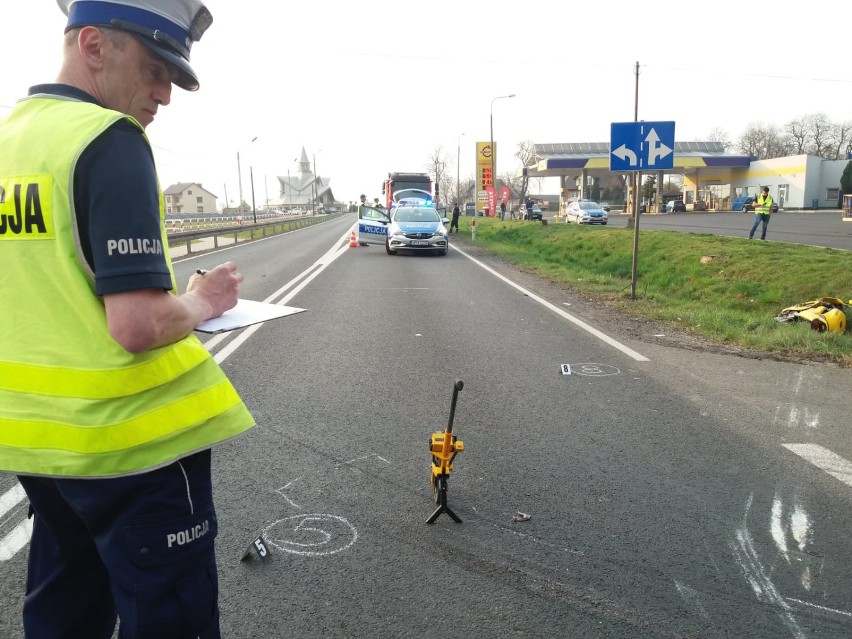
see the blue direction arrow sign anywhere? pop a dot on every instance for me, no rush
(641, 146)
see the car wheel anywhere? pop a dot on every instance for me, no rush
(389, 250)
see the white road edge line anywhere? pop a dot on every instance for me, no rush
(590, 329)
(824, 459)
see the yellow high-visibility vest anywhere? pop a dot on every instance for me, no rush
(763, 205)
(73, 402)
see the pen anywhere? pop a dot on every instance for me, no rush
(200, 271)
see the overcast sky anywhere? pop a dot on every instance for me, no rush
(371, 87)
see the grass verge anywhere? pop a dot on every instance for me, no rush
(731, 296)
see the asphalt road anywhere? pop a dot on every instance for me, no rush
(822, 228)
(669, 492)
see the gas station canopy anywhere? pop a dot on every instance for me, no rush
(592, 159)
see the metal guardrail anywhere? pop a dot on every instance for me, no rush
(242, 232)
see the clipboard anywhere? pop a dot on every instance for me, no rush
(246, 313)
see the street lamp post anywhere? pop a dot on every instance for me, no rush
(253, 208)
(499, 97)
(458, 163)
(239, 171)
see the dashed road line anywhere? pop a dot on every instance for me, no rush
(824, 459)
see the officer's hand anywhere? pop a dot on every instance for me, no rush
(218, 287)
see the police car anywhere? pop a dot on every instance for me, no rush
(413, 224)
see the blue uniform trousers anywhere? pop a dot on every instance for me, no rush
(139, 548)
(759, 218)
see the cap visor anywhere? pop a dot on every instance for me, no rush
(186, 78)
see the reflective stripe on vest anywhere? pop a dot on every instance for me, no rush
(73, 403)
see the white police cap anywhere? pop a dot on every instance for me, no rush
(167, 27)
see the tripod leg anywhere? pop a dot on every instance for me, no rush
(441, 490)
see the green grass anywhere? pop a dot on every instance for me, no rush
(731, 299)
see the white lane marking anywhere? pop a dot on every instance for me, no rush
(12, 543)
(11, 498)
(601, 336)
(824, 459)
(19, 537)
(324, 262)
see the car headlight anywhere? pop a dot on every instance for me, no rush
(439, 232)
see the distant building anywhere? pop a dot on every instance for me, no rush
(712, 178)
(244, 207)
(301, 189)
(189, 198)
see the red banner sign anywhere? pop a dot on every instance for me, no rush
(504, 194)
(492, 200)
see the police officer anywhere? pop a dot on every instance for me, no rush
(110, 404)
(762, 211)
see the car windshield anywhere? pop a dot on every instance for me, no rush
(589, 206)
(425, 214)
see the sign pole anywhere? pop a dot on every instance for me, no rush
(636, 147)
(638, 184)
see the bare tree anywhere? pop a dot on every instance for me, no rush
(751, 141)
(763, 142)
(515, 183)
(842, 139)
(526, 154)
(720, 135)
(797, 132)
(437, 167)
(821, 132)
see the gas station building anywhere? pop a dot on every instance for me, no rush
(712, 178)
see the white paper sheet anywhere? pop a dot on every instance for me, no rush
(246, 313)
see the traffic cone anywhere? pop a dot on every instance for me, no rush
(353, 241)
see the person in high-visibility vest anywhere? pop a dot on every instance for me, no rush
(110, 405)
(762, 211)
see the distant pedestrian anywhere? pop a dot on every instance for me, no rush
(502, 210)
(363, 201)
(762, 210)
(455, 223)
